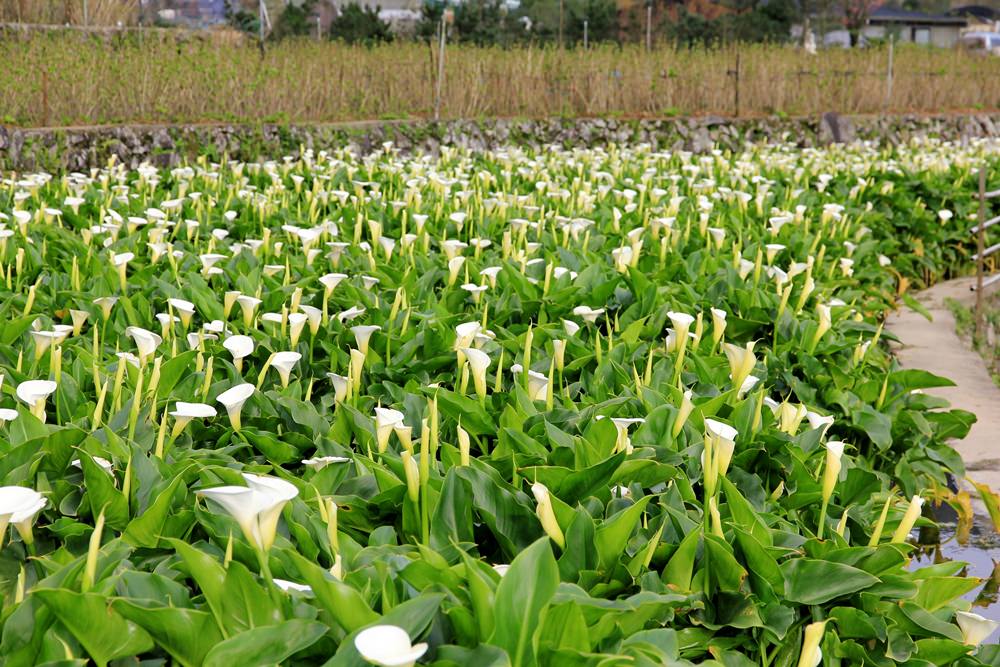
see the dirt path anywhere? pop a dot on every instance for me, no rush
(935, 347)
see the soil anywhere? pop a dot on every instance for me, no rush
(935, 346)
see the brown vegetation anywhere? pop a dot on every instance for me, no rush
(79, 79)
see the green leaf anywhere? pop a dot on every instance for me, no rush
(104, 633)
(613, 535)
(918, 307)
(812, 581)
(146, 529)
(343, 603)
(186, 634)
(680, 567)
(521, 599)
(268, 645)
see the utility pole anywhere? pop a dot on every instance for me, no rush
(649, 25)
(445, 19)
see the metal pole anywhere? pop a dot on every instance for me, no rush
(440, 77)
(649, 26)
(319, 30)
(585, 42)
(980, 245)
(736, 86)
(888, 74)
(86, 14)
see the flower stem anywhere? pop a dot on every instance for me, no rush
(822, 519)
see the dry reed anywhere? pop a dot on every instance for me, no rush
(152, 78)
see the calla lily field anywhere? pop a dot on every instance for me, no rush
(584, 406)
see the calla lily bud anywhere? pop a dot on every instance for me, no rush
(715, 518)
(834, 452)
(718, 326)
(975, 629)
(741, 362)
(412, 472)
(559, 353)
(682, 414)
(356, 367)
(464, 446)
(909, 519)
(331, 524)
(823, 325)
(547, 515)
(811, 655)
(454, 266)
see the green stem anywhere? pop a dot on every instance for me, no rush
(822, 519)
(425, 519)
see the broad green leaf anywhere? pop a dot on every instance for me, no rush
(104, 633)
(812, 581)
(521, 600)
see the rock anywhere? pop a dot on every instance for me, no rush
(835, 128)
(168, 145)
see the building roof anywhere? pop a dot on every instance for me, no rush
(981, 12)
(890, 16)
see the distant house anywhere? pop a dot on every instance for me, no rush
(980, 17)
(941, 30)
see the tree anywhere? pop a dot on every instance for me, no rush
(856, 17)
(357, 24)
(295, 20)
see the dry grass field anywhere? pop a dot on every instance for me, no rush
(71, 79)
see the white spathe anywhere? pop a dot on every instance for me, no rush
(255, 507)
(388, 646)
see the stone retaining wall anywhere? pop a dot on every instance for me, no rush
(78, 149)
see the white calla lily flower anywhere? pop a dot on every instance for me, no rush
(183, 413)
(19, 506)
(255, 507)
(283, 362)
(975, 628)
(388, 646)
(233, 399)
(34, 393)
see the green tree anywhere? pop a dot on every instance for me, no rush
(295, 20)
(360, 25)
